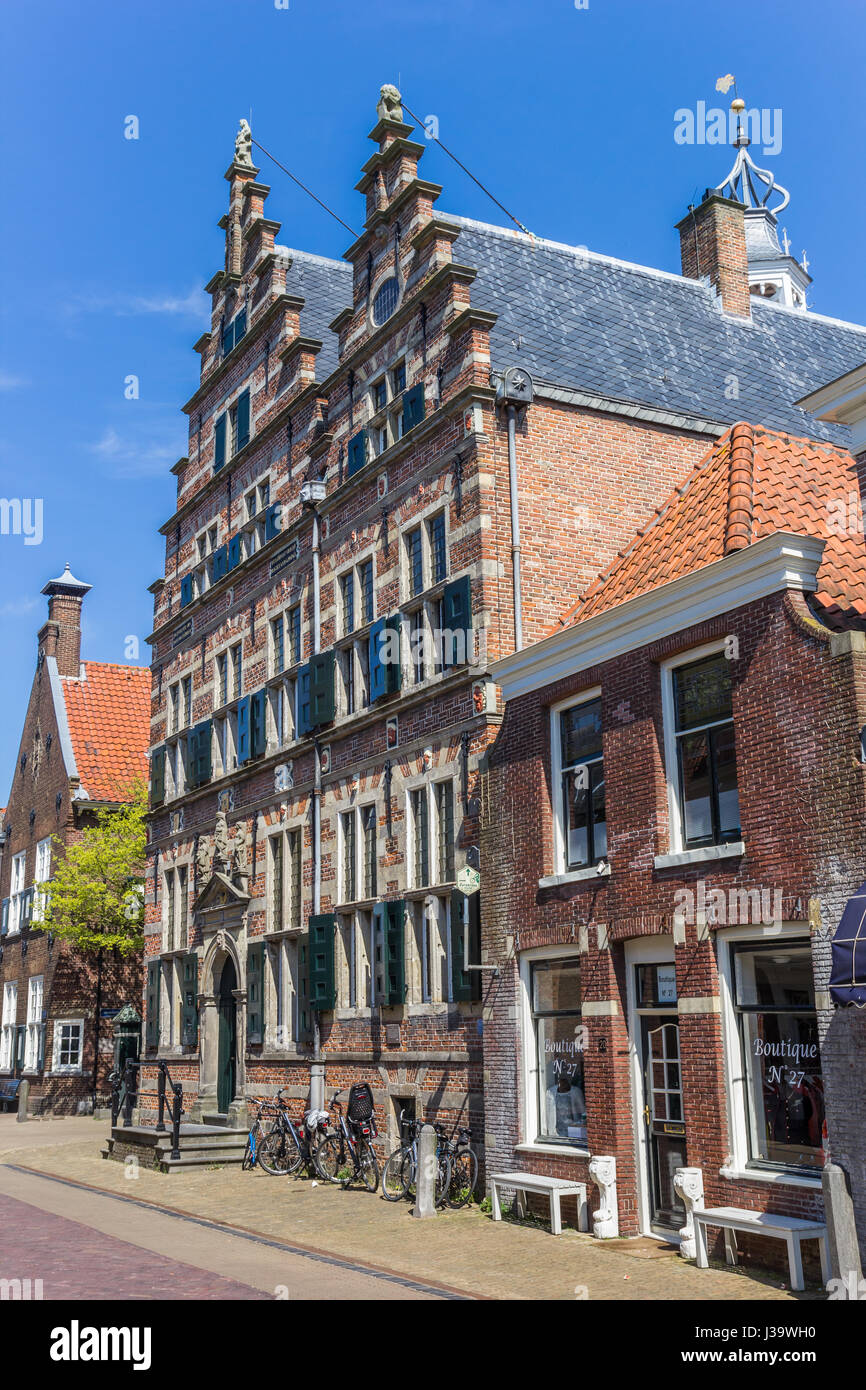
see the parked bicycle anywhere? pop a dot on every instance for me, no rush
(347, 1155)
(286, 1145)
(399, 1175)
(463, 1174)
(257, 1134)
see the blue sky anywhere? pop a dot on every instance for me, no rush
(566, 114)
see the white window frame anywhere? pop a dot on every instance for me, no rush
(17, 890)
(736, 1085)
(560, 856)
(675, 813)
(341, 854)
(436, 827)
(8, 1027)
(281, 996)
(35, 998)
(67, 1068)
(530, 1120)
(412, 886)
(41, 874)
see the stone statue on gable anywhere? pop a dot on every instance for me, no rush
(390, 107)
(244, 145)
(221, 844)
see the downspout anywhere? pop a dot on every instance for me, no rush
(515, 526)
(311, 493)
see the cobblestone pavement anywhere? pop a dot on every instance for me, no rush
(460, 1250)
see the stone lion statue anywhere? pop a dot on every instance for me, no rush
(390, 106)
(244, 145)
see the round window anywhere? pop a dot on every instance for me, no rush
(386, 300)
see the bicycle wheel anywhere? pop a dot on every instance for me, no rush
(250, 1154)
(333, 1162)
(368, 1166)
(395, 1175)
(277, 1152)
(464, 1176)
(443, 1177)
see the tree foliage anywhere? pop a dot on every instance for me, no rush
(95, 896)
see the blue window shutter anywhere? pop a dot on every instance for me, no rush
(395, 951)
(228, 339)
(219, 564)
(186, 590)
(240, 326)
(189, 1000)
(219, 444)
(321, 962)
(394, 669)
(157, 776)
(243, 419)
(258, 723)
(322, 707)
(202, 765)
(413, 407)
(234, 552)
(377, 667)
(457, 618)
(255, 992)
(272, 521)
(357, 452)
(244, 729)
(304, 724)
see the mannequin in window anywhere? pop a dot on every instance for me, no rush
(565, 1108)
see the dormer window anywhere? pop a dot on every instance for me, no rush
(385, 302)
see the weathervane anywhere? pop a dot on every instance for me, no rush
(745, 179)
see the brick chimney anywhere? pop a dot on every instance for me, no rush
(713, 247)
(60, 636)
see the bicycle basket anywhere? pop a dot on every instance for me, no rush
(360, 1101)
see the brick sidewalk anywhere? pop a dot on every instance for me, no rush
(464, 1250)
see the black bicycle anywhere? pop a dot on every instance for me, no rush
(347, 1155)
(401, 1168)
(463, 1170)
(292, 1144)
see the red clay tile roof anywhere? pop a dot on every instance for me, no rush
(109, 724)
(752, 483)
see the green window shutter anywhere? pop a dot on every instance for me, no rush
(457, 622)
(465, 922)
(219, 443)
(40, 1058)
(157, 776)
(305, 1014)
(243, 752)
(186, 590)
(395, 951)
(152, 1006)
(255, 992)
(321, 963)
(243, 420)
(4, 920)
(413, 407)
(189, 1000)
(357, 452)
(393, 641)
(273, 518)
(304, 724)
(258, 723)
(200, 753)
(322, 688)
(27, 907)
(240, 326)
(228, 339)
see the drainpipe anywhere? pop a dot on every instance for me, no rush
(514, 392)
(311, 494)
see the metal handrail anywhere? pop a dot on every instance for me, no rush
(124, 1092)
(176, 1106)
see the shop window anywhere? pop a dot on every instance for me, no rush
(583, 823)
(774, 1000)
(706, 769)
(557, 1038)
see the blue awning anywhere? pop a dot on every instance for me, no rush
(848, 969)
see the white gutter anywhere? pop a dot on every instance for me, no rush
(61, 717)
(781, 561)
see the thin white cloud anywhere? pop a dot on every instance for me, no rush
(10, 382)
(193, 305)
(128, 457)
(18, 607)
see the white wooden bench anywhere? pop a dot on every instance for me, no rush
(792, 1229)
(553, 1188)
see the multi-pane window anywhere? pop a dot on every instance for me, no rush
(415, 561)
(417, 644)
(347, 597)
(67, 1045)
(555, 1003)
(237, 671)
(278, 644)
(347, 666)
(174, 709)
(183, 907)
(369, 832)
(8, 1030)
(438, 552)
(277, 881)
(774, 1001)
(16, 891)
(421, 830)
(398, 379)
(222, 678)
(445, 831)
(706, 768)
(295, 880)
(33, 1037)
(41, 874)
(168, 894)
(350, 858)
(285, 881)
(186, 689)
(380, 395)
(365, 578)
(584, 823)
(294, 625)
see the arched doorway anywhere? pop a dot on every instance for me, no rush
(227, 1052)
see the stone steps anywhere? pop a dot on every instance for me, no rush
(199, 1145)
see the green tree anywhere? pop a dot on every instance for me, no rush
(95, 896)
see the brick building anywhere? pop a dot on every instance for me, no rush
(383, 451)
(84, 740)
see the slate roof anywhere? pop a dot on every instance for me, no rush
(326, 288)
(793, 485)
(108, 712)
(597, 325)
